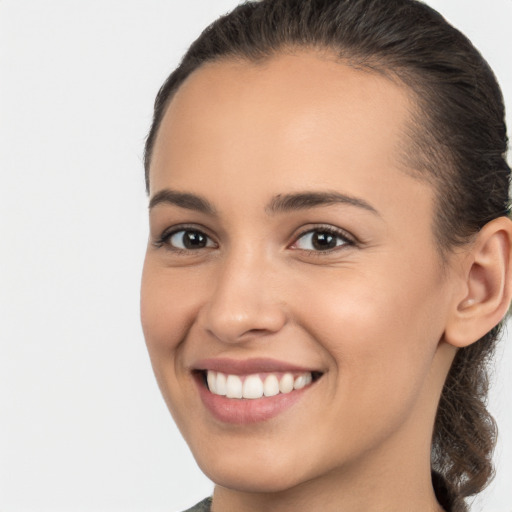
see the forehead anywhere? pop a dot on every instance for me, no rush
(301, 119)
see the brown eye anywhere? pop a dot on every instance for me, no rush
(189, 239)
(320, 240)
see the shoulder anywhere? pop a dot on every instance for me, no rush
(202, 506)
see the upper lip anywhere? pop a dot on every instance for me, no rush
(248, 366)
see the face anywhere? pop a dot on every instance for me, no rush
(292, 296)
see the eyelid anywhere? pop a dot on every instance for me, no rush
(348, 238)
(163, 239)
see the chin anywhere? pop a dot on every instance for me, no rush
(246, 474)
(264, 481)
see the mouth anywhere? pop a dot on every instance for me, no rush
(256, 385)
(250, 391)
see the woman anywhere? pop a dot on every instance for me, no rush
(329, 256)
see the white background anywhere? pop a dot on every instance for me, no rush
(82, 424)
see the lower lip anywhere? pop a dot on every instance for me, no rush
(245, 411)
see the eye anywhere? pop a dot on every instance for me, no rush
(188, 239)
(321, 239)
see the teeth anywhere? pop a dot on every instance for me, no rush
(233, 386)
(220, 384)
(252, 386)
(302, 380)
(286, 383)
(271, 386)
(299, 382)
(211, 378)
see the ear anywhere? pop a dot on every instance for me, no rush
(486, 287)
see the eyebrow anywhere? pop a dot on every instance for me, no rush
(279, 204)
(305, 200)
(183, 200)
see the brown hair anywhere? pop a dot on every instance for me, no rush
(457, 142)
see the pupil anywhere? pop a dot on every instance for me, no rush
(323, 241)
(194, 240)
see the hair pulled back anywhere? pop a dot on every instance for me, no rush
(457, 142)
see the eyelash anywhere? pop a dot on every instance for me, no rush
(347, 239)
(165, 237)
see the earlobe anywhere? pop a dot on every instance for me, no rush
(487, 285)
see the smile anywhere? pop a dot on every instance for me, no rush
(255, 386)
(251, 391)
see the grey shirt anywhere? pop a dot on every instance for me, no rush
(202, 506)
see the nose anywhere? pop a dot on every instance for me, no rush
(244, 303)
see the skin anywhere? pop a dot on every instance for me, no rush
(372, 314)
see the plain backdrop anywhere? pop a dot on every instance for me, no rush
(82, 423)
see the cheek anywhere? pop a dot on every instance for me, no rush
(167, 313)
(370, 309)
(167, 309)
(381, 331)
